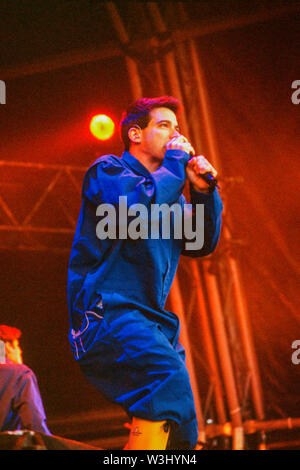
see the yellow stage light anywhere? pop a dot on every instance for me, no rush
(102, 127)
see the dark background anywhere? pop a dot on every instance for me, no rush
(249, 72)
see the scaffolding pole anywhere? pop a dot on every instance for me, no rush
(211, 284)
(135, 82)
(244, 324)
(209, 347)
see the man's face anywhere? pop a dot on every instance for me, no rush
(162, 127)
(13, 351)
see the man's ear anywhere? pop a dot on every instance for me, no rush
(135, 134)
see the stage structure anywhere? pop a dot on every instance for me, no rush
(215, 306)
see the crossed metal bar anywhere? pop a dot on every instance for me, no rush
(26, 226)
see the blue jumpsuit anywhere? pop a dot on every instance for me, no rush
(124, 340)
(21, 405)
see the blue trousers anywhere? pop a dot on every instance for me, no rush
(140, 365)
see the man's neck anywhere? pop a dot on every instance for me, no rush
(149, 162)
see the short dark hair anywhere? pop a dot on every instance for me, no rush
(138, 112)
(9, 333)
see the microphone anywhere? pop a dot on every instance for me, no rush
(208, 178)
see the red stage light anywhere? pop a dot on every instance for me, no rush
(102, 127)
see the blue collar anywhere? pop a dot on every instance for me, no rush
(135, 164)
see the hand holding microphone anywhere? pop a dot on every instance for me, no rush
(200, 172)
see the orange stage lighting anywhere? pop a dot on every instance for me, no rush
(102, 127)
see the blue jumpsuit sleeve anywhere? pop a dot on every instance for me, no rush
(109, 179)
(212, 221)
(169, 179)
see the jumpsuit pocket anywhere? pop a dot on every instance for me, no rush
(83, 338)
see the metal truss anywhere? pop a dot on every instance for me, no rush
(39, 205)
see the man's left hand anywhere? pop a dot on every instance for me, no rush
(198, 166)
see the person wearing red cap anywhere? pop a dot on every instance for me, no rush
(21, 405)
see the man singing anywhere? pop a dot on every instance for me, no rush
(124, 340)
